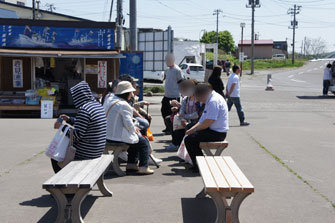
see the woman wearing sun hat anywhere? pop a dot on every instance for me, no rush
(121, 128)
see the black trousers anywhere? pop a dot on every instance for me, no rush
(192, 142)
(55, 166)
(326, 84)
(166, 110)
(178, 135)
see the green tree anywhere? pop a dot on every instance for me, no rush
(226, 41)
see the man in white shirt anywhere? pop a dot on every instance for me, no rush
(233, 94)
(326, 79)
(213, 124)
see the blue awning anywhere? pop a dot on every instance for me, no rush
(8, 14)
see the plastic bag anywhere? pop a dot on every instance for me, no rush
(183, 154)
(59, 144)
(177, 123)
(150, 135)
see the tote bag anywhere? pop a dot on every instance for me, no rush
(58, 146)
(70, 152)
(183, 154)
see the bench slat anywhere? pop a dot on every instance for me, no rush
(221, 182)
(75, 181)
(229, 176)
(206, 174)
(69, 171)
(242, 179)
(95, 173)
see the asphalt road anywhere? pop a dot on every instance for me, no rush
(287, 153)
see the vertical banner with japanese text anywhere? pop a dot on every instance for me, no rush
(17, 74)
(102, 74)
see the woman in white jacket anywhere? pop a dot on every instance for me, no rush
(121, 128)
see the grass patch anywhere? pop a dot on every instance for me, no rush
(294, 172)
(259, 64)
(154, 89)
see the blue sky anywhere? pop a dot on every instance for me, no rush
(189, 17)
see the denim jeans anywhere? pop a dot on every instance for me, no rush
(237, 102)
(143, 125)
(138, 151)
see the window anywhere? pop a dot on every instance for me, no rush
(193, 68)
(20, 3)
(183, 66)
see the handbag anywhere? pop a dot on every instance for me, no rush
(58, 146)
(70, 152)
(177, 123)
(183, 154)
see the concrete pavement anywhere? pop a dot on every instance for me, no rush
(287, 153)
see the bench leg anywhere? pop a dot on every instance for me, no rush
(219, 152)
(235, 205)
(61, 204)
(220, 206)
(208, 152)
(201, 194)
(76, 204)
(102, 187)
(116, 165)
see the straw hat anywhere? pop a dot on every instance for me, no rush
(124, 87)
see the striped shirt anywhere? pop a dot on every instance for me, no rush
(90, 125)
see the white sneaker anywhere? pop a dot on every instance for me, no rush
(158, 161)
(171, 147)
(124, 156)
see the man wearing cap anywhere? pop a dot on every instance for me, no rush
(173, 76)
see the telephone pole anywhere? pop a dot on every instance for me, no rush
(111, 11)
(253, 4)
(294, 25)
(119, 22)
(217, 13)
(33, 8)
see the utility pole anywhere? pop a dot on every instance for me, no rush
(119, 23)
(217, 13)
(111, 11)
(133, 24)
(253, 4)
(242, 25)
(33, 8)
(294, 25)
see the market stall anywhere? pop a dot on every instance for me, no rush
(44, 61)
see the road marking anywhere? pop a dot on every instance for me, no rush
(291, 76)
(315, 69)
(300, 73)
(309, 70)
(299, 81)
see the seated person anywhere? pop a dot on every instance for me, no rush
(121, 128)
(89, 126)
(109, 92)
(189, 111)
(213, 124)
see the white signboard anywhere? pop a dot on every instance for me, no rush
(17, 74)
(241, 56)
(102, 74)
(46, 109)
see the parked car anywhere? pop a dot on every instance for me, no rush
(279, 57)
(154, 76)
(193, 71)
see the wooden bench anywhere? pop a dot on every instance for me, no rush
(116, 148)
(207, 147)
(77, 178)
(224, 180)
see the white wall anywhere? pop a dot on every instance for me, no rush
(15, 1)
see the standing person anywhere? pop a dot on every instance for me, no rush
(173, 76)
(326, 79)
(216, 81)
(233, 94)
(213, 124)
(227, 66)
(89, 126)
